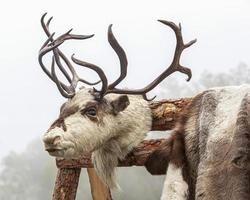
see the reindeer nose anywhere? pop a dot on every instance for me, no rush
(51, 139)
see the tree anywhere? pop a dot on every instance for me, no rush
(27, 175)
(235, 76)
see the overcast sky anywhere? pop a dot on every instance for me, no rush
(30, 101)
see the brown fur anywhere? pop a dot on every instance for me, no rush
(120, 104)
(224, 173)
(228, 176)
(102, 108)
(65, 112)
(157, 162)
(176, 149)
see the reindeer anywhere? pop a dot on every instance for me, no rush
(108, 122)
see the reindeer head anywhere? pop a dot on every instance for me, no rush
(108, 122)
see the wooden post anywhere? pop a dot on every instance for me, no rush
(166, 113)
(66, 184)
(99, 190)
(137, 157)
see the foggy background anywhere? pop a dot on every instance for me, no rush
(30, 101)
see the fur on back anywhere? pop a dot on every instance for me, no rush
(217, 144)
(214, 156)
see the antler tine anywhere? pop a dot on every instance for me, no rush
(180, 46)
(65, 36)
(58, 83)
(175, 65)
(147, 99)
(98, 70)
(46, 26)
(56, 53)
(121, 55)
(74, 72)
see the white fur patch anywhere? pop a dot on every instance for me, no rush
(229, 101)
(220, 133)
(175, 188)
(110, 139)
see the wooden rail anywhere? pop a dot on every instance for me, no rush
(165, 114)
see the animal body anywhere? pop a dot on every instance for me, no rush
(108, 122)
(207, 156)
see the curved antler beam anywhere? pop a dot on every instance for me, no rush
(175, 65)
(122, 57)
(58, 84)
(98, 70)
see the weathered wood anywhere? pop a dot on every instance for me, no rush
(66, 184)
(166, 112)
(135, 158)
(99, 190)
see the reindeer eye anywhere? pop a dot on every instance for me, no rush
(91, 112)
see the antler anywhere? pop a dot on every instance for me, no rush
(122, 57)
(52, 45)
(175, 65)
(69, 91)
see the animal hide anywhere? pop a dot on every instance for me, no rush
(215, 163)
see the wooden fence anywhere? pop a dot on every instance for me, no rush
(165, 114)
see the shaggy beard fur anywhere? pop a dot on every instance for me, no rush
(132, 126)
(106, 159)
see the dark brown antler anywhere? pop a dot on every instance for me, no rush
(69, 91)
(122, 57)
(175, 65)
(52, 45)
(98, 70)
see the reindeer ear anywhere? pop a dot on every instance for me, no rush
(120, 104)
